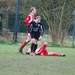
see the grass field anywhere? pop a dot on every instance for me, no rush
(14, 63)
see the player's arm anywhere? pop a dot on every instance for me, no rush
(41, 29)
(30, 26)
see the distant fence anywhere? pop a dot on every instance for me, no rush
(10, 25)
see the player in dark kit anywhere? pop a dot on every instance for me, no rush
(36, 32)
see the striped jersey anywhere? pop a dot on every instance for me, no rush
(29, 18)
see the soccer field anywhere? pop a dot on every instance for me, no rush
(14, 63)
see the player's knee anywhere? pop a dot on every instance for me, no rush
(34, 41)
(28, 40)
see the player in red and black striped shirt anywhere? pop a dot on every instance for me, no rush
(27, 21)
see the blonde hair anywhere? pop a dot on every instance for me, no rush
(32, 8)
(38, 17)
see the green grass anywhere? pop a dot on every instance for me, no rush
(14, 63)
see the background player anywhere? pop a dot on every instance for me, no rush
(27, 21)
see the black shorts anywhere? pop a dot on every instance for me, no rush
(35, 36)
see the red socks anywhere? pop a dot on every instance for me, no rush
(55, 54)
(22, 46)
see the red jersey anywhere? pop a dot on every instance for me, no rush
(29, 18)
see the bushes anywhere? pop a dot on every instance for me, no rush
(5, 37)
(54, 45)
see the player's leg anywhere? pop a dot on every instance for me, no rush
(33, 45)
(34, 41)
(46, 53)
(24, 44)
(55, 54)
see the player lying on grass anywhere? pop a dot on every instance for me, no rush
(43, 51)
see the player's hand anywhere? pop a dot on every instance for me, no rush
(40, 37)
(29, 34)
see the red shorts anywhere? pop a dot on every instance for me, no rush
(45, 52)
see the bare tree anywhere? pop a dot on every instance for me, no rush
(58, 15)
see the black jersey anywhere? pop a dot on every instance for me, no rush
(36, 28)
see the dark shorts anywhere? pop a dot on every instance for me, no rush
(35, 36)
